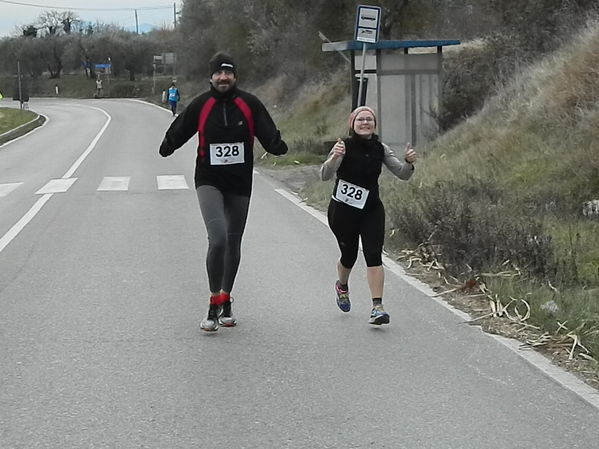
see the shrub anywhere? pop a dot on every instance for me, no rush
(469, 228)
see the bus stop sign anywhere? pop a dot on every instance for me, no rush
(368, 21)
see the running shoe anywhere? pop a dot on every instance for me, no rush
(226, 316)
(378, 316)
(210, 323)
(342, 298)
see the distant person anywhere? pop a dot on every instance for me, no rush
(99, 88)
(173, 97)
(355, 210)
(226, 120)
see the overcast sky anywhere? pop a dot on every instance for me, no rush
(13, 16)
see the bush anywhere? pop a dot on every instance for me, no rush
(469, 229)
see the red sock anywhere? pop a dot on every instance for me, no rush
(219, 299)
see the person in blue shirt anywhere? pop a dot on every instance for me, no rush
(173, 97)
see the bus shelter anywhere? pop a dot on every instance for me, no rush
(402, 82)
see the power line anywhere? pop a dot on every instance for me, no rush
(142, 8)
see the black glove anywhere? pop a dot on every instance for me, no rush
(165, 149)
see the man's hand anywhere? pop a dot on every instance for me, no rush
(165, 149)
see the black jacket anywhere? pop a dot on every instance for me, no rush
(225, 123)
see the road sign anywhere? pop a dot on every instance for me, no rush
(368, 21)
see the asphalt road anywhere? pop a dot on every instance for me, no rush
(103, 285)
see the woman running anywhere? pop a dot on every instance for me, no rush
(355, 210)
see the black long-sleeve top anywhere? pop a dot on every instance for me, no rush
(225, 124)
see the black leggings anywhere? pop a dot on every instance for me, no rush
(350, 224)
(224, 215)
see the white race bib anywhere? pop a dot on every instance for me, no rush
(351, 194)
(227, 153)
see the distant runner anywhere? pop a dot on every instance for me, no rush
(173, 97)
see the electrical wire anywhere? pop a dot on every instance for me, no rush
(141, 8)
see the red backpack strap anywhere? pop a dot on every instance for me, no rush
(206, 108)
(247, 114)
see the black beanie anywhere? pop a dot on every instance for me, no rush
(222, 61)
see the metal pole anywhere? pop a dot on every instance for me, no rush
(359, 102)
(136, 23)
(19, 83)
(153, 78)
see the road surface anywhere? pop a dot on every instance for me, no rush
(103, 285)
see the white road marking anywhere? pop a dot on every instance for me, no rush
(19, 225)
(564, 378)
(114, 183)
(91, 146)
(5, 189)
(56, 186)
(171, 182)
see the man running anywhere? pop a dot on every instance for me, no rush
(226, 120)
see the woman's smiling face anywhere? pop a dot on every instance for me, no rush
(364, 124)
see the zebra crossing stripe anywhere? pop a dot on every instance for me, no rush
(5, 189)
(114, 183)
(171, 182)
(57, 186)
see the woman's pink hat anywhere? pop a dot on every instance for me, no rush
(355, 112)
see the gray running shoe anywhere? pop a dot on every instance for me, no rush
(210, 324)
(226, 316)
(378, 316)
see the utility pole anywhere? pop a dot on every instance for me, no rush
(136, 23)
(175, 15)
(19, 83)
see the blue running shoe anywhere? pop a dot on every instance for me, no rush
(342, 298)
(378, 316)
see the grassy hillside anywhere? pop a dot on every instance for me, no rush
(499, 207)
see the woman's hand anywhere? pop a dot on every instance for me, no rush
(338, 149)
(410, 154)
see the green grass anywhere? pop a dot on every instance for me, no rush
(12, 118)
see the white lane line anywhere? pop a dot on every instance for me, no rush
(91, 146)
(19, 225)
(171, 182)
(5, 189)
(562, 377)
(56, 186)
(114, 183)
